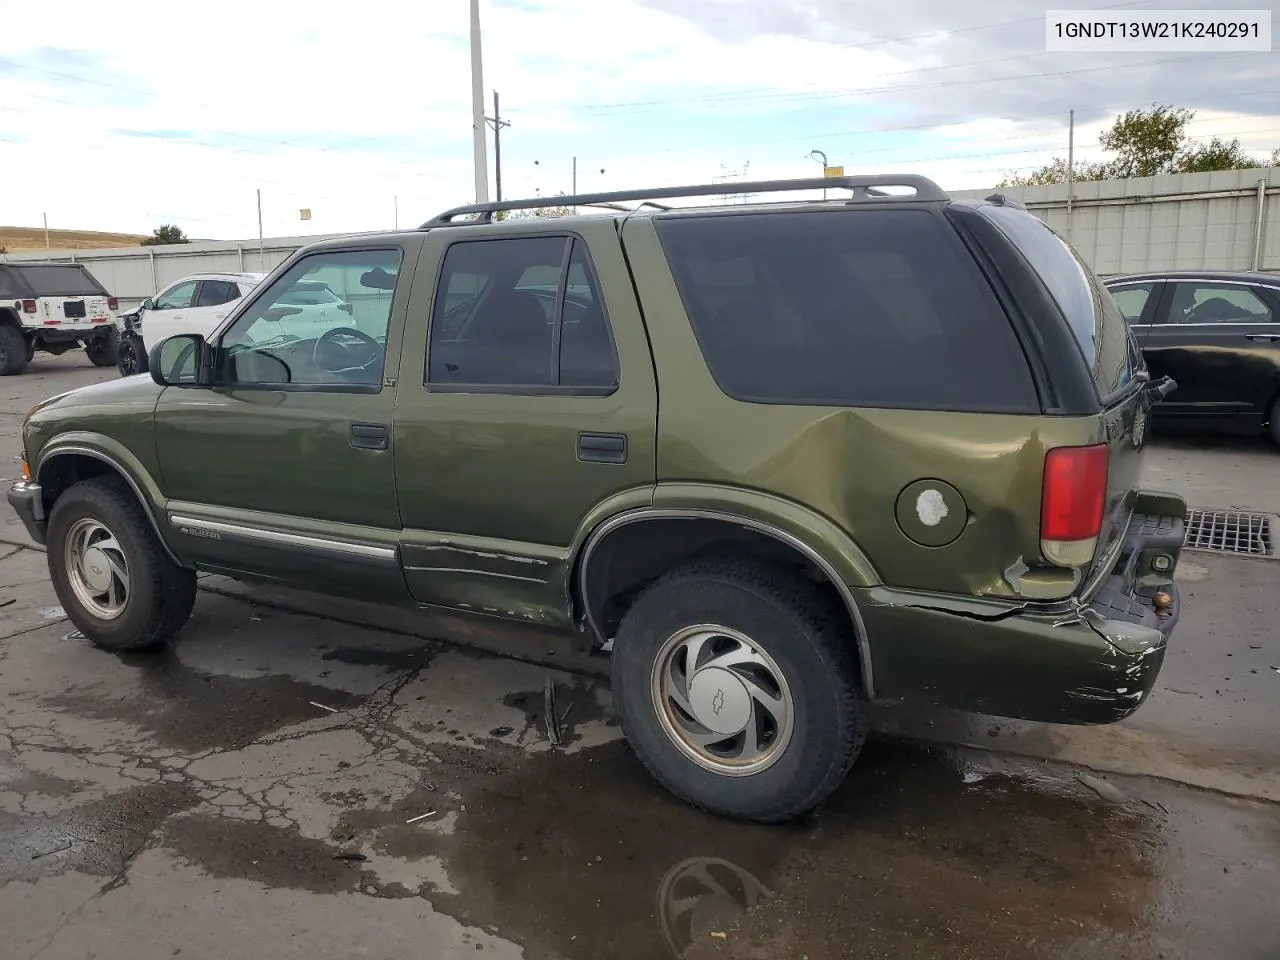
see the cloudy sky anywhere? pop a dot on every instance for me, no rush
(124, 116)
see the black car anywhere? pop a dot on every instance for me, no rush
(1217, 333)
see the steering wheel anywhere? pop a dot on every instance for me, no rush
(344, 354)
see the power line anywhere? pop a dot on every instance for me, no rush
(609, 109)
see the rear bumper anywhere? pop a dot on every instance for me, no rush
(1091, 661)
(27, 500)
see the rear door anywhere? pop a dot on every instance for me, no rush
(519, 415)
(1220, 340)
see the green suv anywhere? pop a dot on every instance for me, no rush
(780, 458)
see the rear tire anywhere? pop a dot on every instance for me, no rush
(102, 348)
(767, 647)
(111, 572)
(14, 351)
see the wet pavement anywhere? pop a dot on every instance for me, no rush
(306, 787)
(280, 785)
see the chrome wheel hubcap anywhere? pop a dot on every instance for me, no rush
(97, 569)
(722, 700)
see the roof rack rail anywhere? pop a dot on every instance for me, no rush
(864, 188)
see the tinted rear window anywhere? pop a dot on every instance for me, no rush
(1095, 319)
(879, 308)
(60, 280)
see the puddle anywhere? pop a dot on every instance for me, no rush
(99, 837)
(412, 658)
(189, 710)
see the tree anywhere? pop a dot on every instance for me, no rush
(552, 209)
(1217, 154)
(168, 233)
(1147, 142)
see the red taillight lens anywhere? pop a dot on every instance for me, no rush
(28, 306)
(1075, 491)
(113, 304)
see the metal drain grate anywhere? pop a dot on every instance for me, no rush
(1247, 533)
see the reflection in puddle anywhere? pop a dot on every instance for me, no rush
(699, 898)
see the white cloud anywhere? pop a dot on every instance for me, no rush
(166, 114)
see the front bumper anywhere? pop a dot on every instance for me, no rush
(27, 500)
(1090, 661)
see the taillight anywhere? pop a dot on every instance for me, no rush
(1072, 503)
(113, 304)
(28, 306)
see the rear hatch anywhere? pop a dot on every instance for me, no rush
(1108, 348)
(64, 295)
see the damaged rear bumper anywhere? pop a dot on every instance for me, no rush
(1093, 660)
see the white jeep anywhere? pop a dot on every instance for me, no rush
(54, 307)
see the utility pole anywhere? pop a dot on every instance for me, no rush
(478, 127)
(498, 123)
(575, 176)
(46, 231)
(1071, 166)
(262, 257)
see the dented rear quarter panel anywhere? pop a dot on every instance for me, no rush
(849, 465)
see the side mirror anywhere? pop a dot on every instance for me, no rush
(182, 360)
(147, 304)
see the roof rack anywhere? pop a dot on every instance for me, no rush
(864, 188)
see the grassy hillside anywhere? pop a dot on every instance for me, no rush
(19, 239)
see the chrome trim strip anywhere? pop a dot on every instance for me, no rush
(1131, 282)
(133, 485)
(279, 538)
(861, 640)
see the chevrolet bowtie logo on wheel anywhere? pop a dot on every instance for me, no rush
(717, 702)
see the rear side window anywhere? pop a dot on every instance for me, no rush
(876, 308)
(1095, 319)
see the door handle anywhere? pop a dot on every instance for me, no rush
(602, 447)
(369, 436)
(1263, 337)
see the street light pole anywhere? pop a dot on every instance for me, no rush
(822, 159)
(479, 131)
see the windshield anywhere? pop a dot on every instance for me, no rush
(1096, 321)
(60, 280)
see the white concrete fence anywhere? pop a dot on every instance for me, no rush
(1194, 221)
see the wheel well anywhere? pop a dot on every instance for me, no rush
(636, 554)
(62, 471)
(10, 319)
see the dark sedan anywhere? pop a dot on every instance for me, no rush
(1216, 333)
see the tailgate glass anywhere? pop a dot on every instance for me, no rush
(60, 280)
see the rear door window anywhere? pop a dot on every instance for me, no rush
(1202, 302)
(214, 293)
(876, 308)
(1095, 319)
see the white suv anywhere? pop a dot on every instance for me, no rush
(194, 304)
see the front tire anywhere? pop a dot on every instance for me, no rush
(110, 571)
(130, 356)
(737, 688)
(14, 351)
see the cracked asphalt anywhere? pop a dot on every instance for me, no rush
(300, 777)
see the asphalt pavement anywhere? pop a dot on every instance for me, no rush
(358, 782)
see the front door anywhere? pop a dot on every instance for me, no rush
(283, 468)
(531, 410)
(168, 313)
(1218, 340)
